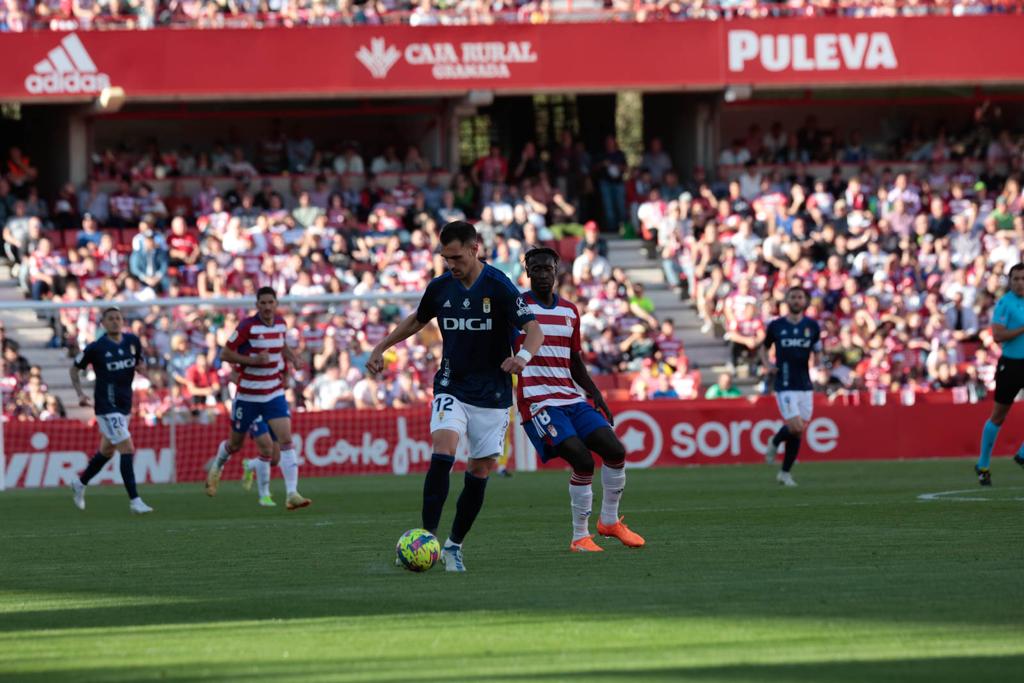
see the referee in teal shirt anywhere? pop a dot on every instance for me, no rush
(1008, 330)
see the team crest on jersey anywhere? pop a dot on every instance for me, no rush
(465, 304)
(487, 305)
(807, 332)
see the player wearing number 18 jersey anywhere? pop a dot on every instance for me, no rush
(114, 357)
(555, 413)
(478, 310)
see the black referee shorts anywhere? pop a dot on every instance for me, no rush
(1009, 379)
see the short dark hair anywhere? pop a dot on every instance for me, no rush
(266, 290)
(108, 309)
(458, 230)
(1014, 269)
(799, 288)
(537, 252)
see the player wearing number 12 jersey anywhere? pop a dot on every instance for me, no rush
(478, 310)
(557, 417)
(114, 357)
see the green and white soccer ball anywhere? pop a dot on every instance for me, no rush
(418, 550)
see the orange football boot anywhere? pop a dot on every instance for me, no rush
(585, 545)
(622, 532)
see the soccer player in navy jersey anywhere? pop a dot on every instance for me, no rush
(115, 357)
(797, 342)
(1008, 331)
(552, 394)
(479, 311)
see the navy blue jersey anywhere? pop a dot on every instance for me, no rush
(793, 347)
(114, 365)
(477, 325)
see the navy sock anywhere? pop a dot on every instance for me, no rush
(96, 464)
(128, 475)
(781, 435)
(435, 490)
(468, 507)
(792, 450)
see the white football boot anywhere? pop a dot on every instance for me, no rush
(451, 558)
(78, 493)
(137, 507)
(785, 478)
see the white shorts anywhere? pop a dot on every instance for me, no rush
(796, 404)
(484, 428)
(114, 426)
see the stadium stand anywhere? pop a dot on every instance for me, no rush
(903, 257)
(149, 14)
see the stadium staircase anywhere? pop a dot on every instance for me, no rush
(33, 335)
(706, 353)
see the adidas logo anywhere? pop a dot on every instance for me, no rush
(67, 69)
(109, 355)
(447, 304)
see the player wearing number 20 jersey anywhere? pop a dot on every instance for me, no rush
(114, 358)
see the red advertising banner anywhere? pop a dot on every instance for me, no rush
(655, 433)
(403, 60)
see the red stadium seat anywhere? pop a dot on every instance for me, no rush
(127, 234)
(566, 249)
(70, 238)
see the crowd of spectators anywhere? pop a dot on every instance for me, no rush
(69, 15)
(335, 229)
(903, 268)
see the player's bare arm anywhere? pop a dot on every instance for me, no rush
(235, 358)
(76, 382)
(292, 358)
(581, 376)
(1001, 333)
(534, 340)
(766, 361)
(405, 329)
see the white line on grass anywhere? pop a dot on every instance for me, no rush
(952, 495)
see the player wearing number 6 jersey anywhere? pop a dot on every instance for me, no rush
(258, 346)
(557, 417)
(478, 310)
(114, 357)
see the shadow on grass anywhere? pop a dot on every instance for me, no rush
(926, 670)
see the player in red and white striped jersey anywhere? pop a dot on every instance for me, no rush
(258, 346)
(552, 395)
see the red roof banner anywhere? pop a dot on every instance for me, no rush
(402, 60)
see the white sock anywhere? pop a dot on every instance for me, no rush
(222, 455)
(262, 468)
(290, 470)
(581, 495)
(613, 482)
(450, 542)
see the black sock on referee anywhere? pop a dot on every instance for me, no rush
(792, 450)
(435, 490)
(470, 501)
(96, 464)
(128, 475)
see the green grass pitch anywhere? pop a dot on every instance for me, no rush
(850, 577)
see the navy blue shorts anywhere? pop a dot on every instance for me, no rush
(260, 427)
(244, 414)
(553, 425)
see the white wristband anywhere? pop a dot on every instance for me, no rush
(525, 355)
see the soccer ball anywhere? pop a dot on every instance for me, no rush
(418, 550)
